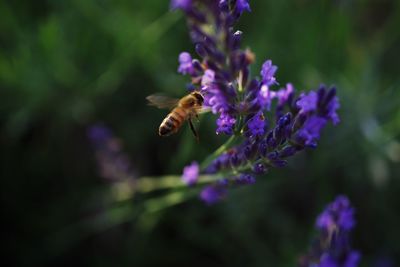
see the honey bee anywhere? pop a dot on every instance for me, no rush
(182, 109)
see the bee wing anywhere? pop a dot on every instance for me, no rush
(162, 101)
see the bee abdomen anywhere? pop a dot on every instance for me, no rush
(172, 122)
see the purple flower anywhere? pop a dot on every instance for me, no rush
(181, 4)
(283, 94)
(191, 173)
(338, 214)
(220, 162)
(245, 179)
(351, 260)
(308, 102)
(242, 5)
(113, 164)
(310, 132)
(225, 124)
(185, 63)
(327, 261)
(256, 125)
(267, 73)
(214, 193)
(208, 78)
(215, 99)
(264, 97)
(332, 247)
(288, 151)
(259, 168)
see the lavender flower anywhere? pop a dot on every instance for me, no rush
(181, 4)
(351, 260)
(245, 179)
(185, 63)
(216, 100)
(264, 138)
(310, 132)
(308, 102)
(256, 125)
(332, 246)
(267, 73)
(338, 214)
(113, 164)
(264, 97)
(225, 123)
(332, 107)
(191, 173)
(207, 79)
(242, 5)
(283, 94)
(259, 169)
(214, 193)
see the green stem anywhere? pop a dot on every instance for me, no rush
(172, 199)
(148, 184)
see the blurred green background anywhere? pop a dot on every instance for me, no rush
(65, 65)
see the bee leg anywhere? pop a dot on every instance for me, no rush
(193, 129)
(197, 117)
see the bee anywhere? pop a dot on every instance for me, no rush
(186, 108)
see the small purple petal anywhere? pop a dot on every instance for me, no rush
(214, 98)
(308, 102)
(267, 73)
(181, 4)
(191, 173)
(264, 97)
(328, 261)
(284, 93)
(242, 5)
(260, 168)
(225, 124)
(332, 107)
(279, 163)
(208, 77)
(245, 179)
(256, 125)
(352, 259)
(212, 194)
(185, 63)
(310, 132)
(221, 162)
(287, 152)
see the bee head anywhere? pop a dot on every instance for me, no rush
(199, 99)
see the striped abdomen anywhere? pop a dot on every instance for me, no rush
(172, 122)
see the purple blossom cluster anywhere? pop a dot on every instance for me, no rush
(113, 164)
(332, 246)
(274, 124)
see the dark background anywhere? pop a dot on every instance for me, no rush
(65, 65)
